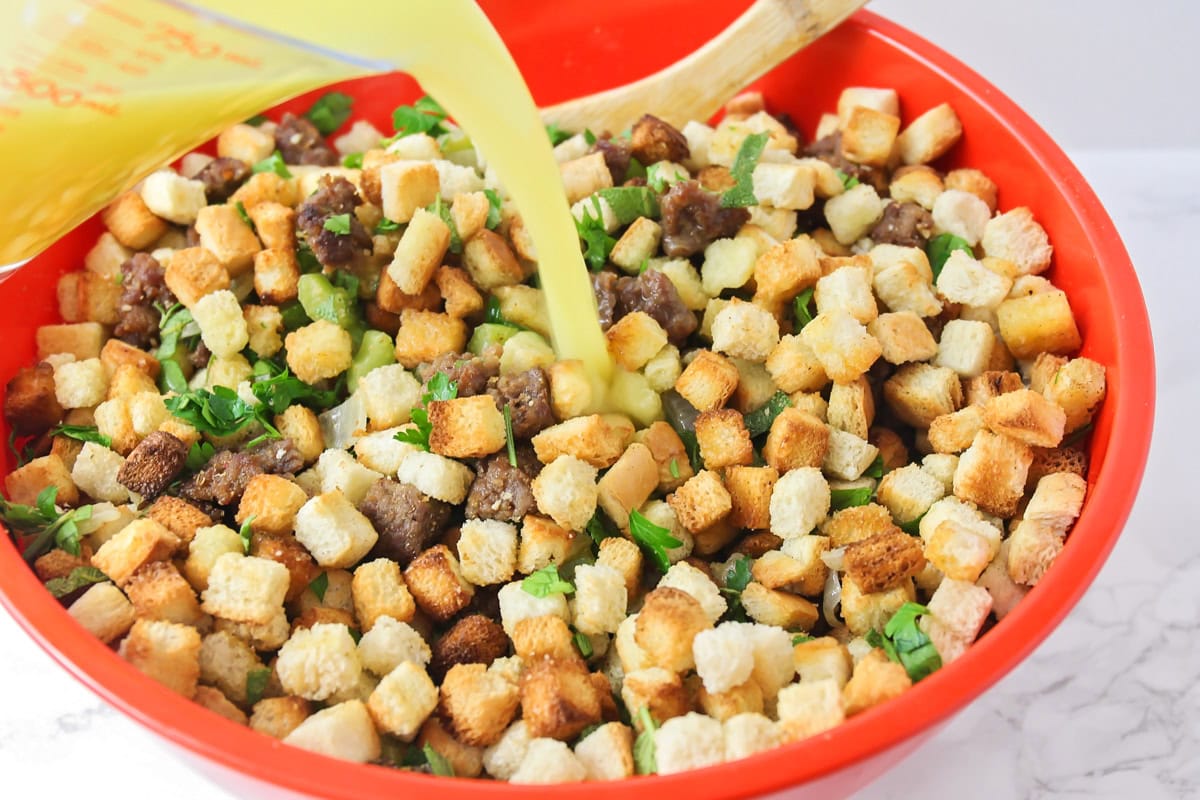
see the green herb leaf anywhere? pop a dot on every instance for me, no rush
(630, 202)
(848, 181)
(876, 469)
(170, 377)
(43, 521)
(1077, 436)
(319, 585)
(941, 246)
(79, 577)
(330, 111)
(849, 498)
(423, 116)
(256, 684)
(800, 638)
(437, 762)
(598, 527)
(635, 169)
(307, 259)
(272, 163)
(256, 120)
(654, 539)
(276, 388)
(175, 324)
(801, 306)
(443, 211)
(761, 419)
(352, 161)
(83, 433)
(657, 181)
(546, 582)
(198, 455)
(644, 756)
(557, 135)
(355, 634)
(588, 136)
(584, 644)
(240, 208)
(912, 527)
(339, 224)
(219, 412)
(494, 316)
(494, 205)
(246, 534)
(742, 192)
(905, 642)
(21, 456)
(508, 434)
(738, 577)
(598, 244)
(387, 226)
(440, 387)
(673, 467)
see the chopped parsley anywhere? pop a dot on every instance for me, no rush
(22, 455)
(736, 580)
(912, 527)
(508, 435)
(635, 169)
(43, 521)
(240, 208)
(599, 528)
(353, 161)
(584, 644)
(742, 192)
(277, 388)
(588, 136)
(198, 455)
(307, 259)
(330, 111)
(79, 577)
(220, 412)
(256, 684)
(438, 764)
(443, 212)
(319, 586)
(557, 135)
(175, 324)
(630, 202)
(801, 307)
(761, 419)
(246, 534)
(83, 433)
(494, 204)
(940, 248)
(876, 469)
(494, 316)
(644, 757)
(849, 498)
(546, 582)
(800, 638)
(848, 181)
(905, 642)
(387, 226)
(440, 387)
(424, 116)
(272, 163)
(598, 244)
(339, 224)
(654, 539)
(673, 468)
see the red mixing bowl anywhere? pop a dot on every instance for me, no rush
(570, 48)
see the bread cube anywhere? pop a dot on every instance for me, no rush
(991, 473)
(461, 297)
(139, 543)
(80, 384)
(728, 264)
(954, 432)
(87, 296)
(885, 101)
(635, 339)
(502, 759)
(721, 657)
(334, 531)
(318, 351)
(437, 476)
(852, 214)
(686, 280)
(784, 185)
(701, 502)
(276, 275)
(131, 222)
(245, 588)
(750, 491)
(24, 484)
(165, 651)
(809, 708)
(300, 424)
(1038, 323)
(903, 337)
(490, 261)
(406, 186)
(224, 234)
(957, 612)
(279, 716)
(95, 473)
(390, 642)
(723, 439)
(903, 287)
(344, 731)
(607, 752)
(965, 280)
(744, 330)
(585, 176)
(659, 691)
(466, 427)
(920, 393)
(437, 584)
(158, 591)
(266, 187)
(81, 340)
(929, 136)
(389, 393)
(626, 558)
(542, 542)
(319, 662)
(799, 502)
(272, 501)
(548, 761)
(688, 742)
(104, 612)
(106, 256)
(222, 324)
(639, 242)
(558, 698)
(908, 492)
(1026, 416)
(856, 523)
(785, 269)
(379, 591)
(796, 439)
(841, 344)
(173, 197)
(535, 638)
(847, 456)
(668, 622)
(425, 335)
(864, 611)
(488, 551)
(868, 135)
(1017, 237)
(848, 289)
(875, 680)
(965, 347)
(1078, 387)
(795, 367)
(628, 484)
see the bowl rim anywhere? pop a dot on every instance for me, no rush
(858, 739)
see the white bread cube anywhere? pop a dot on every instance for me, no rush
(225, 662)
(516, 604)
(389, 643)
(382, 452)
(95, 472)
(246, 588)
(80, 384)
(639, 242)
(941, 466)
(747, 331)
(809, 708)
(916, 184)
(222, 324)
(877, 99)
(699, 585)
(418, 146)
(929, 136)
(848, 456)
(389, 393)
(824, 658)
(848, 289)
(1017, 237)
(965, 280)
(549, 761)
(405, 186)
(361, 137)
(699, 136)
(566, 491)
(334, 531)
(207, 545)
(1032, 548)
(319, 662)
(799, 502)
(842, 345)
(723, 660)
(961, 214)
(173, 197)
(784, 186)
(869, 136)
(903, 337)
(663, 369)
(263, 324)
(106, 256)
(600, 599)
(908, 492)
(749, 733)
(607, 752)
(437, 476)
(247, 143)
(958, 610)
(728, 264)
(689, 742)
(343, 731)
(1057, 501)
(224, 234)
(104, 611)
(338, 471)
(456, 179)
(403, 700)
(502, 759)
(965, 347)
(852, 214)
(904, 287)
(487, 551)
(585, 176)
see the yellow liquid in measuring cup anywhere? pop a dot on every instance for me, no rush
(209, 75)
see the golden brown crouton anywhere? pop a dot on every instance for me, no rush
(868, 136)
(436, 583)
(1077, 387)
(132, 223)
(270, 503)
(24, 484)
(658, 690)
(920, 393)
(723, 439)
(140, 542)
(473, 639)
(58, 563)
(794, 366)
(857, 523)
(390, 299)
(300, 425)
(669, 453)
(851, 407)
(194, 272)
(179, 517)
(379, 590)
(992, 383)
(954, 432)
(635, 339)
(1048, 460)
(318, 351)
(628, 484)
(1026, 416)
(490, 261)
(875, 680)
(750, 495)
(466, 427)
(929, 136)
(117, 353)
(626, 558)
(461, 296)
(424, 335)
(30, 404)
(595, 439)
(797, 439)
(670, 618)
(545, 636)
(276, 275)
(903, 336)
(86, 296)
(786, 269)
(778, 608)
(992, 471)
(883, 560)
(477, 703)
(1038, 323)
(82, 340)
(167, 652)
(279, 716)
(214, 701)
(158, 591)
(741, 699)
(558, 698)
(286, 550)
(701, 502)
(464, 760)
(708, 381)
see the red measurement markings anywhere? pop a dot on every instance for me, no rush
(41, 87)
(181, 40)
(114, 12)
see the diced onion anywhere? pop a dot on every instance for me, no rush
(833, 597)
(102, 514)
(342, 425)
(834, 559)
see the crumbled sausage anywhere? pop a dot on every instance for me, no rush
(906, 224)
(616, 157)
(474, 639)
(153, 464)
(653, 293)
(500, 490)
(335, 196)
(223, 481)
(143, 286)
(299, 142)
(221, 178)
(30, 404)
(277, 456)
(655, 140)
(693, 218)
(604, 286)
(407, 520)
(829, 149)
(470, 372)
(527, 394)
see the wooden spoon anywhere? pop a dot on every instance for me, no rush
(695, 87)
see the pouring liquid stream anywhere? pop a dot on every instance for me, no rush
(449, 46)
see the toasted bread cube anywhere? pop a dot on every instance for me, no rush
(334, 531)
(344, 731)
(318, 351)
(748, 733)
(566, 492)
(158, 591)
(516, 605)
(744, 699)
(272, 501)
(785, 269)
(279, 716)
(319, 662)
(884, 560)
(668, 452)
(796, 568)
(600, 599)
(796, 439)
(266, 187)
(337, 470)
(824, 658)
(490, 261)
(957, 612)
(847, 456)
(903, 286)
(965, 280)
(668, 622)
(405, 187)
(548, 761)
(628, 484)
(478, 703)
(699, 584)
(929, 136)
(248, 143)
(965, 347)
(165, 651)
(1078, 387)
(686, 280)
(276, 227)
(80, 384)
(856, 523)
(87, 296)
(868, 135)
(809, 708)
(784, 185)
(852, 214)
(461, 296)
(82, 340)
(276, 275)
(173, 197)
(908, 492)
(920, 393)
(224, 234)
(226, 662)
(848, 289)
(558, 698)
(841, 344)
(916, 184)
(263, 324)
(635, 339)
(688, 742)
(744, 330)
(104, 611)
(962, 214)
(245, 588)
(975, 182)
(1025, 416)
(131, 221)
(1038, 323)
(488, 549)
(300, 424)
(598, 440)
(403, 700)
(439, 477)
(794, 366)
(954, 432)
(639, 242)
(390, 393)
(437, 584)
(379, 591)
(389, 643)
(207, 545)
(24, 484)
(542, 542)
(585, 176)
(875, 680)
(607, 752)
(466, 427)
(864, 611)
(139, 543)
(701, 502)
(991, 473)
(659, 691)
(781, 609)
(852, 98)
(959, 551)
(534, 638)
(626, 558)
(106, 256)
(420, 252)
(750, 491)
(425, 335)
(1032, 548)
(222, 324)
(799, 502)
(95, 473)
(1056, 501)
(902, 337)
(708, 381)
(723, 439)
(1015, 236)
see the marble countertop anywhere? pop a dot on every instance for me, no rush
(1107, 707)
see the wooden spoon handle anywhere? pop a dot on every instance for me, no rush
(696, 86)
